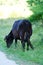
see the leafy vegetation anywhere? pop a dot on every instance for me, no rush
(34, 2)
(37, 10)
(36, 17)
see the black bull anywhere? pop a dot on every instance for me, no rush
(21, 30)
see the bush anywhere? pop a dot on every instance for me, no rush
(38, 16)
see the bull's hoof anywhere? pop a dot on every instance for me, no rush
(32, 48)
(27, 49)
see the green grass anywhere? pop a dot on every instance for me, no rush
(35, 55)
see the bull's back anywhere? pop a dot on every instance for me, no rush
(21, 25)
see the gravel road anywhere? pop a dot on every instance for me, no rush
(5, 61)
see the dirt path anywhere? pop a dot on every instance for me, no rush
(5, 61)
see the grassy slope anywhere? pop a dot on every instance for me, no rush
(35, 55)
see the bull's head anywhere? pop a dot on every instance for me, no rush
(8, 40)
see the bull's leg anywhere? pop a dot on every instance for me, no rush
(30, 44)
(23, 45)
(27, 46)
(22, 40)
(15, 42)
